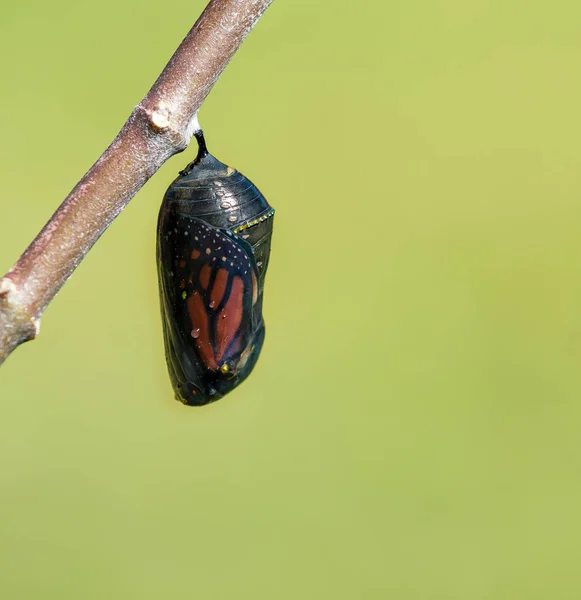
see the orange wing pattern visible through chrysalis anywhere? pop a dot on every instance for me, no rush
(205, 276)
(229, 318)
(254, 289)
(221, 289)
(213, 332)
(201, 330)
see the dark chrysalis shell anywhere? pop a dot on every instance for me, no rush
(213, 246)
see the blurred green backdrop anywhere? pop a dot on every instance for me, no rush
(412, 428)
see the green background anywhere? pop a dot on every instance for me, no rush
(411, 430)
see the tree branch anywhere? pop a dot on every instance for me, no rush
(159, 127)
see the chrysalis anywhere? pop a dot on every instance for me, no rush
(213, 246)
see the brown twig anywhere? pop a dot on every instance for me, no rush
(159, 127)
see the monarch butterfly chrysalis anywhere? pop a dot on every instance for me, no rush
(213, 246)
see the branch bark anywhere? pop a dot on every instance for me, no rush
(159, 127)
